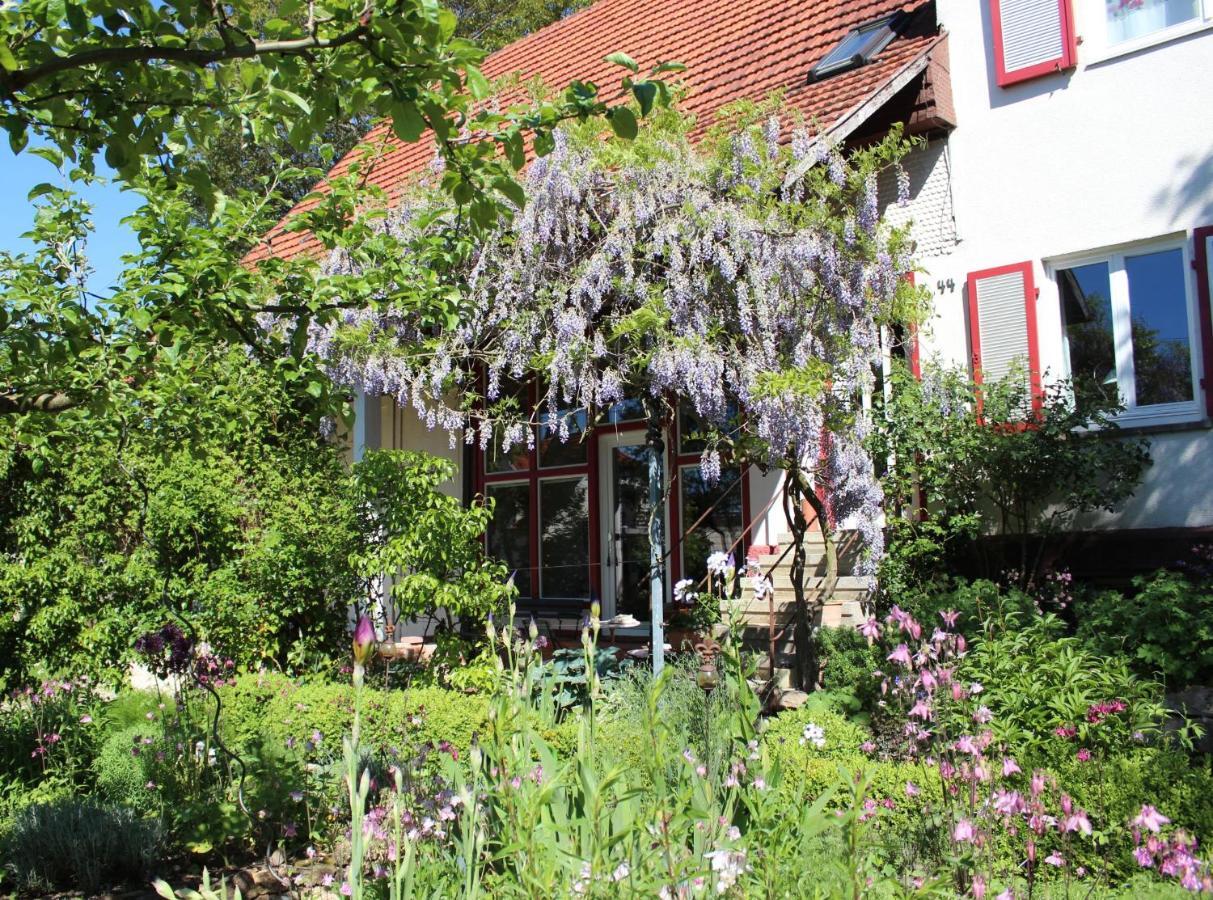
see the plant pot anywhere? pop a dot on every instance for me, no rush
(683, 640)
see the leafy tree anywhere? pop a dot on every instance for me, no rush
(150, 85)
(234, 161)
(426, 546)
(217, 503)
(495, 23)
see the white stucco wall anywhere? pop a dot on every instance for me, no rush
(401, 429)
(1115, 151)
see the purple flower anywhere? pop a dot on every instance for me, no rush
(364, 640)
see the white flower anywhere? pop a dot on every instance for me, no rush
(814, 734)
(683, 595)
(727, 866)
(580, 885)
(621, 872)
(720, 563)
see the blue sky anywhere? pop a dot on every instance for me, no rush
(110, 205)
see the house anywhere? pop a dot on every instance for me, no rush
(1081, 182)
(1063, 154)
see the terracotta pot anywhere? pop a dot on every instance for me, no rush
(683, 640)
(410, 648)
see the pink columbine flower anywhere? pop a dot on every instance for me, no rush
(966, 745)
(1077, 821)
(870, 629)
(1150, 819)
(867, 747)
(1143, 857)
(921, 710)
(912, 789)
(1038, 783)
(1009, 803)
(979, 887)
(86, 719)
(983, 715)
(901, 655)
(1055, 859)
(928, 681)
(1007, 894)
(963, 833)
(949, 617)
(1009, 767)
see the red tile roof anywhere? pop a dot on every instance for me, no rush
(733, 49)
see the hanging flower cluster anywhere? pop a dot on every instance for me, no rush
(750, 272)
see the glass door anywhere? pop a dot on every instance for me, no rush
(625, 510)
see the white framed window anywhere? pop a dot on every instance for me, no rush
(1113, 27)
(1131, 329)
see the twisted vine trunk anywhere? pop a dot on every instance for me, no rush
(806, 664)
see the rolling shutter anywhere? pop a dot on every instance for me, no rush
(1002, 324)
(1031, 38)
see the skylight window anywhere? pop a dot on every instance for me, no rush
(859, 46)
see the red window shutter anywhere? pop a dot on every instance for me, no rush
(1031, 38)
(1002, 323)
(1202, 259)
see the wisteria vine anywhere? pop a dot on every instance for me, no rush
(749, 272)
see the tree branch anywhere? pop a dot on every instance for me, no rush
(12, 402)
(20, 79)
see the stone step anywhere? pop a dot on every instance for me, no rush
(782, 580)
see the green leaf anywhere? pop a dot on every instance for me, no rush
(39, 190)
(8, 62)
(478, 85)
(407, 121)
(646, 93)
(622, 59)
(669, 67)
(511, 189)
(623, 121)
(544, 143)
(294, 98)
(116, 156)
(18, 137)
